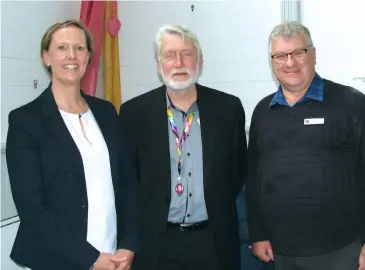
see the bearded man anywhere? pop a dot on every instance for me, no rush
(189, 147)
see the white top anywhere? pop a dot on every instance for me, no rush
(102, 224)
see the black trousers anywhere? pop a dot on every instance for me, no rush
(194, 250)
(346, 258)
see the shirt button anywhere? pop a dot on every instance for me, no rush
(190, 195)
(189, 174)
(188, 154)
(188, 215)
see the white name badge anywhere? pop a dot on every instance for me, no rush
(314, 121)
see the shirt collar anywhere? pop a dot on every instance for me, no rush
(193, 107)
(315, 92)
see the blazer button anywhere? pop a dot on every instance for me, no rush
(83, 206)
(70, 175)
(167, 199)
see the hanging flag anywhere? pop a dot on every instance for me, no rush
(92, 14)
(112, 88)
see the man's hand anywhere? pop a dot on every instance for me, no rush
(107, 261)
(362, 258)
(263, 251)
(127, 257)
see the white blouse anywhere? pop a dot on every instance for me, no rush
(102, 224)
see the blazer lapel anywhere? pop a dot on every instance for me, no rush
(158, 137)
(207, 126)
(55, 126)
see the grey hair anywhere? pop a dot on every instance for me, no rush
(289, 30)
(179, 30)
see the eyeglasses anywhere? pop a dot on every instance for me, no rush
(297, 55)
(172, 55)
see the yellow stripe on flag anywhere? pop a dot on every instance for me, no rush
(112, 88)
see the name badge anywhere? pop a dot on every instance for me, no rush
(314, 121)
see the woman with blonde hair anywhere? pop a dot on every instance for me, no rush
(71, 183)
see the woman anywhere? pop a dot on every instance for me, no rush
(69, 178)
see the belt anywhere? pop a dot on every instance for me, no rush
(198, 226)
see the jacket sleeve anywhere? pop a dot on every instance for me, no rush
(361, 139)
(255, 223)
(130, 209)
(25, 173)
(239, 148)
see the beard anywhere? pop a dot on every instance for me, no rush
(180, 85)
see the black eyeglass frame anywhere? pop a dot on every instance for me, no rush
(305, 50)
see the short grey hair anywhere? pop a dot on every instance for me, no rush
(178, 30)
(289, 30)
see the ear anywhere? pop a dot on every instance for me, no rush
(88, 58)
(159, 68)
(46, 58)
(314, 56)
(201, 61)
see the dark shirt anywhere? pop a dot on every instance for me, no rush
(306, 178)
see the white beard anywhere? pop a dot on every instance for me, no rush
(179, 85)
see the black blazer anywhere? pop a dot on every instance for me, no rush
(49, 189)
(222, 121)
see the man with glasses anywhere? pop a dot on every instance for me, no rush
(306, 182)
(188, 144)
